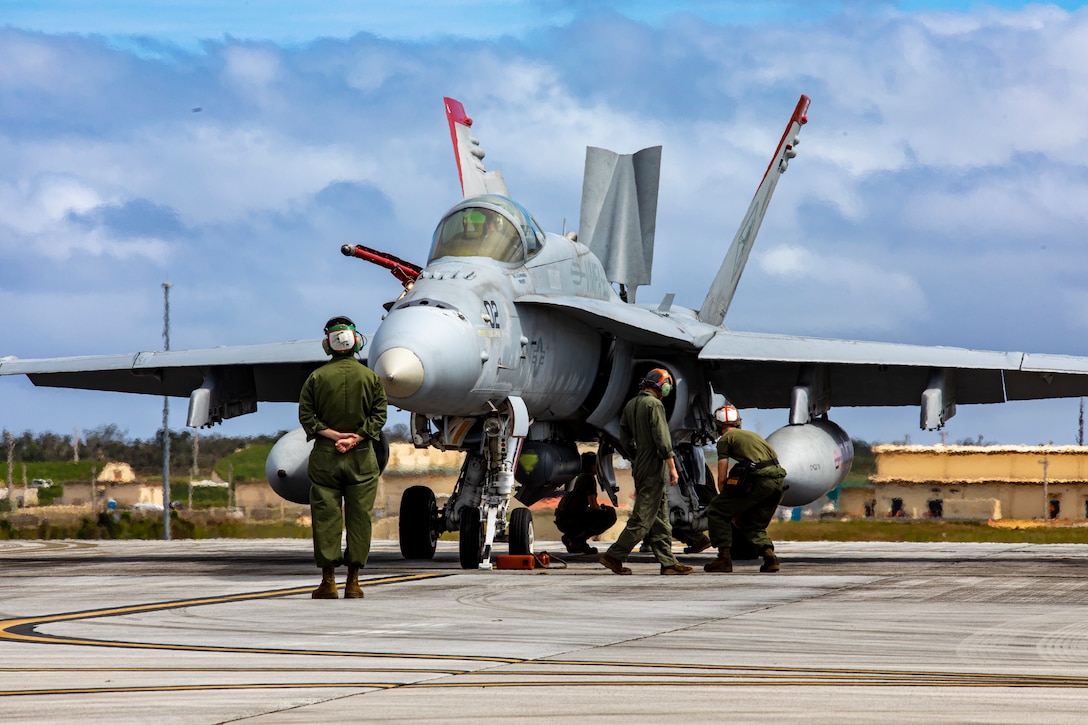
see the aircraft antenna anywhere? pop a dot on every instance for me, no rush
(166, 418)
(1080, 429)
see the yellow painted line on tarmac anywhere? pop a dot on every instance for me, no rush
(712, 670)
(244, 670)
(546, 672)
(863, 679)
(775, 682)
(736, 675)
(36, 547)
(6, 624)
(25, 629)
(197, 688)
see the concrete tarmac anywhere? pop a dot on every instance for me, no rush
(225, 631)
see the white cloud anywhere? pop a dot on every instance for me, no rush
(30, 206)
(250, 70)
(28, 62)
(877, 298)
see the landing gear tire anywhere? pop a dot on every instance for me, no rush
(418, 523)
(472, 538)
(521, 531)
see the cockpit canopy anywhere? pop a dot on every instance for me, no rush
(487, 226)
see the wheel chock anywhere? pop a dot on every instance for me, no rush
(514, 561)
(543, 560)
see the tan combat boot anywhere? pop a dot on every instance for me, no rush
(614, 564)
(327, 588)
(352, 590)
(770, 561)
(701, 545)
(677, 568)
(723, 564)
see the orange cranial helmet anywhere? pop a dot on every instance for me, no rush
(658, 378)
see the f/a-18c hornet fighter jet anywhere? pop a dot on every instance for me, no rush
(514, 345)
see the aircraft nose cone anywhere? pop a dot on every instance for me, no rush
(401, 372)
(429, 360)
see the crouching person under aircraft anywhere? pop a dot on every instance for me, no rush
(579, 516)
(748, 495)
(342, 408)
(644, 435)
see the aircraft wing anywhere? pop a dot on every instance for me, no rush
(761, 370)
(475, 179)
(220, 382)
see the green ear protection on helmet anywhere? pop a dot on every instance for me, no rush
(660, 379)
(341, 338)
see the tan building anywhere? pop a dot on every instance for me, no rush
(116, 473)
(974, 482)
(82, 493)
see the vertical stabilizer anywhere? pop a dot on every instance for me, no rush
(619, 213)
(725, 283)
(475, 178)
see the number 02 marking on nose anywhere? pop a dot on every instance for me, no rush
(491, 312)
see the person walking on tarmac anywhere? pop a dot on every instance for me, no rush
(579, 516)
(342, 408)
(645, 437)
(748, 494)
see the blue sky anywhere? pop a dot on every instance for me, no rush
(937, 198)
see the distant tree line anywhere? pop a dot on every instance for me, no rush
(864, 463)
(109, 443)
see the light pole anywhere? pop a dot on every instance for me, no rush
(166, 418)
(9, 441)
(1046, 493)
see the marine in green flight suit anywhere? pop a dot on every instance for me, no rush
(342, 408)
(749, 504)
(644, 434)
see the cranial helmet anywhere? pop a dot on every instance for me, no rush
(727, 415)
(341, 337)
(472, 221)
(660, 379)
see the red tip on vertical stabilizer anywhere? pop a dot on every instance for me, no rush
(455, 114)
(800, 117)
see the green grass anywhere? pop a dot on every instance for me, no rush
(129, 525)
(204, 497)
(53, 470)
(246, 464)
(923, 531)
